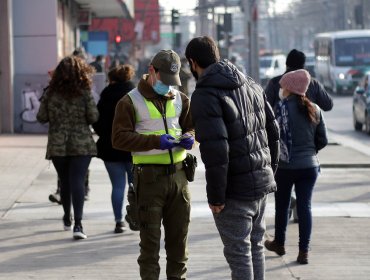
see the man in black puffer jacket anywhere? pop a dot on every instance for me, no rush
(239, 145)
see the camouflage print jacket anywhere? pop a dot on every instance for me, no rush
(69, 119)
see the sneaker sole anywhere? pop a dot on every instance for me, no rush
(79, 235)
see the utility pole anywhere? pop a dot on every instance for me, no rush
(6, 68)
(203, 16)
(251, 37)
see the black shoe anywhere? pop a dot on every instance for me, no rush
(120, 227)
(55, 197)
(302, 257)
(275, 247)
(78, 233)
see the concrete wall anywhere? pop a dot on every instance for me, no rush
(35, 36)
(35, 40)
(6, 69)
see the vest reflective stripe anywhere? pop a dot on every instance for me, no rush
(149, 121)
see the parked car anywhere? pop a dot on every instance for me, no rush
(361, 104)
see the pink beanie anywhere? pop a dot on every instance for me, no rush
(296, 81)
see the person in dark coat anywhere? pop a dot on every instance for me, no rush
(316, 93)
(303, 134)
(118, 163)
(239, 145)
(69, 108)
(98, 64)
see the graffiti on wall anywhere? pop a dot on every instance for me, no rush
(31, 102)
(28, 92)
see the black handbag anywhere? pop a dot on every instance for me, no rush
(189, 165)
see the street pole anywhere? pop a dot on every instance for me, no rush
(173, 36)
(6, 68)
(251, 37)
(203, 16)
(255, 41)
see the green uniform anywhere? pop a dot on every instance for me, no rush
(162, 197)
(162, 189)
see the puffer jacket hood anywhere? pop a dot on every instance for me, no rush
(222, 75)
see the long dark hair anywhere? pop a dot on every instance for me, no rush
(310, 109)
(72, 77)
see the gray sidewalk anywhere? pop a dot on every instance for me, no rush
(34, 246)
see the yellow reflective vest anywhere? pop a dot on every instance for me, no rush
(150, 121)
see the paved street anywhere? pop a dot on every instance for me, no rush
(34, 246)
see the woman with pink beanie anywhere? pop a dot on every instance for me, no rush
(302, 135)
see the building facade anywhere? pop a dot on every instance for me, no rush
(36, 35)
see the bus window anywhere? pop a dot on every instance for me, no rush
(352, 51)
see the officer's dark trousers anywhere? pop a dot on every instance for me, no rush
(165, 198)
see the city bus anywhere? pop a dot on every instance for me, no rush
(337, 55)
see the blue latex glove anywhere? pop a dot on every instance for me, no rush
(167, 142)
(187, 141)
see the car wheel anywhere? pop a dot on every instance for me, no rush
(367, 124)
(357, 125)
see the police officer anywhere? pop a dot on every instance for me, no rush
(153, 122)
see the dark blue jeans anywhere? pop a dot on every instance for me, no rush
(72, 171)
(304, 181)
(117, 171)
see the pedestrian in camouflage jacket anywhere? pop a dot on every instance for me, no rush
(69, 108)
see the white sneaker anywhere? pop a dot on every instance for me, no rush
(78, 233)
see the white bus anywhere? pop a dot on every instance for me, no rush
(337, 53)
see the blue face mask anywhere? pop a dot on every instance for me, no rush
(161, 88)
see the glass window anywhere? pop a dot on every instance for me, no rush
(265, 62)
(352, 51)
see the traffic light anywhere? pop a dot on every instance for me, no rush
(175, 17)
(118, 39)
